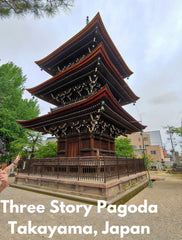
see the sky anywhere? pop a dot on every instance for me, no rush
(147, 33)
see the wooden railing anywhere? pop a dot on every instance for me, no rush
(94, 168)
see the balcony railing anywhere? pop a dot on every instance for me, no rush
(94, 168)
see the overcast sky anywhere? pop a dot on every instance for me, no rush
(147, 33)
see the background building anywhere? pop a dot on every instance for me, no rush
(149, 143)
(155, 138)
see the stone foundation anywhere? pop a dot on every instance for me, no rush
(89, 189)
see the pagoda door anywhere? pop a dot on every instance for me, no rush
(73, 148)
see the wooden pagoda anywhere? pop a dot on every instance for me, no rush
(89, 90)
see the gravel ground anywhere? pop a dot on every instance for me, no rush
(166, 224)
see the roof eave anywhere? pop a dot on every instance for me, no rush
(96, 20)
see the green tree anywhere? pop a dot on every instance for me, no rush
(48, 150)
(123, 147)
(38, 8)
(28, 144)
(148, 160)
(12, 105)
(171, 132)
(178, 131)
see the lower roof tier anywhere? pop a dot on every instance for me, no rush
(99, 114)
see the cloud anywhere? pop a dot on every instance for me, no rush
(166, 98)
(148, 35)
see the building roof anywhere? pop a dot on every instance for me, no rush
(82, 40)
(102, 103)
(97, 62)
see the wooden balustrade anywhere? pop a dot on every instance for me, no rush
(102, 168)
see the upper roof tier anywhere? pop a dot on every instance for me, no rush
(80, 45)
(84, 79)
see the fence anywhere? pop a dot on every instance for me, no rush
(94, 168)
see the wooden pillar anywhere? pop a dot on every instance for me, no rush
(66, 147)
(109, 147)
(100, 144)
(92, 145)
(79, 145)
(58, 142)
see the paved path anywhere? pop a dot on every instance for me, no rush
(164, 225)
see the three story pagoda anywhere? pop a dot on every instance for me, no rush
(88, 90)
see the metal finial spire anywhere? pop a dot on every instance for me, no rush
(87, 20)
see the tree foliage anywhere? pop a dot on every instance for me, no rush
(48, 150)
(12, 105)
(178, 131)
(38, 8)
(148, 160)
(28, 144)
(174, 130)
(123, 147)
(171, 131)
